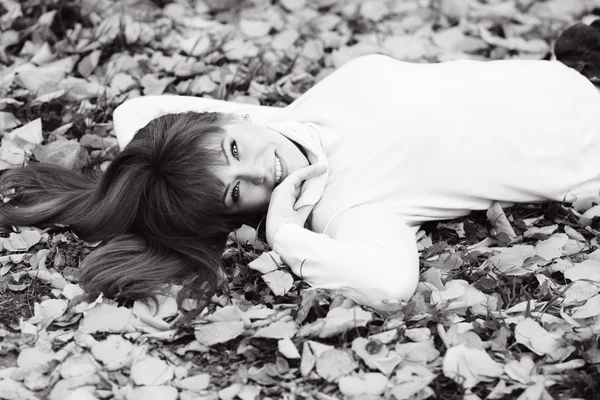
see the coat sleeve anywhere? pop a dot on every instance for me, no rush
(135, 113)
(368, 254)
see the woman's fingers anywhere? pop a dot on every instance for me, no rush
(297, 177)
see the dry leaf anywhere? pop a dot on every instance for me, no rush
(418, 352)
(540, 232)
(219, 332)
(254, 28)
(510, 260)
(249, 392)
(589, 215)
(288, 348)
(113, 353)
(410, 380)
(591, 308)
(585, 270)
(418, 334)
(335, 363)
(284, 328)
(308, 361)
(77, 365)
(496, 217)
(365, 383)
(194, 383)
(153, 393)
(385, 337)
(520, 371)
(552, 247)
(382, 360)
(151, 371)
(280, 282)
(89, 63)
(106, 318)
(579, 291)
(339, 320)
(529, 333)
(66, 153)
(469, 366)
(13, 390)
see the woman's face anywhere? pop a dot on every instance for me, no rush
(252, 157)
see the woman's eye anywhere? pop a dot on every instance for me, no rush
(234, 150)
(235, 193)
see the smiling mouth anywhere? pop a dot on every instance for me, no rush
(278, 170)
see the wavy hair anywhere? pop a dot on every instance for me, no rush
(157, 210)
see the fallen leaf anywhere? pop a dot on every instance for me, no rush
(588, 216)
(246, 236)
(335, 363)
(418, 352)
(49, 309)
(510, 260)
(339, 320)
(497, 218)
(249, 392)
(194, 383)
(573, 234)
(288, 349)
(89, 63)
(383, 360)
(280, 282)
(266, 262)
(66, 153)
(153, 393)
(385, 337)
(540, 232)
(254, 28)
(113, 353)
(410, 380)
(284, 328)
(219, 332)
(469, 366)
(520, 371)
(30, 133)
(308, 361)
(591, 308)
(31, 356)
(529, 333)
(77, 365)
(585, 270)
(13, 390)
(365, 383)
(579, 291)
(151, 371)
(106, 318)
(552, 247)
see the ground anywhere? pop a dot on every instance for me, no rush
(508, 303)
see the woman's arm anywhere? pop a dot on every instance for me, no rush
(366, 249)
(135, 113)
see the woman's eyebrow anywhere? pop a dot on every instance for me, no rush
(227, 161)
(225, 196)
(224, 151)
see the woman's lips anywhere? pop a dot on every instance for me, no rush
(283, 170)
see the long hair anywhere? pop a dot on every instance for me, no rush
(157, 210)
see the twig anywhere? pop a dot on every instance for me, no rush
(442, 334)
(562, 367)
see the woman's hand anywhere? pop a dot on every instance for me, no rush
(281, 206)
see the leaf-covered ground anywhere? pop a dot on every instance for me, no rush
(508, 305)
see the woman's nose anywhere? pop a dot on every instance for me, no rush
(254, 172)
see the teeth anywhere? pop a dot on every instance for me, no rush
(277, 170)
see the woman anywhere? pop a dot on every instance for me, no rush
(346, 173)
